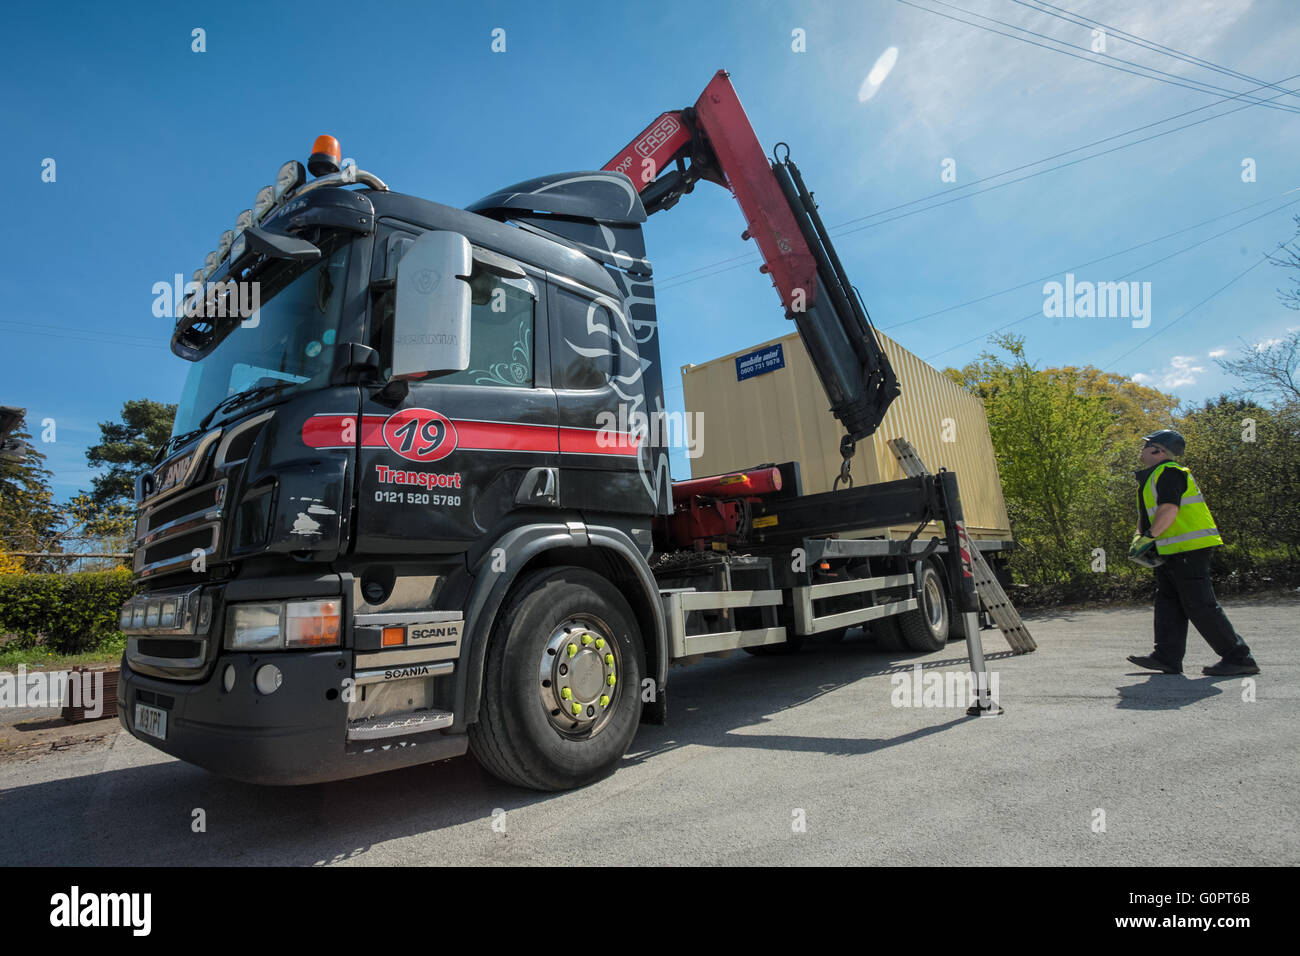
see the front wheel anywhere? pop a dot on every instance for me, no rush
(561, 693)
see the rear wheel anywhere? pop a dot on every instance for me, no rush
(926, 628)
(561, 693)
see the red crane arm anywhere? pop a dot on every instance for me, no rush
(723, 148)
(716, 137)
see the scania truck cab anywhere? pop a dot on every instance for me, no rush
(411, 504)
(363, 467)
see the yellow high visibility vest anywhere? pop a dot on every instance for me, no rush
(1194, 528)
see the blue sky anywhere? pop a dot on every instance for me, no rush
(158, 148)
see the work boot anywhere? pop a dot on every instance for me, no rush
(1153, 663)
(1227, 668)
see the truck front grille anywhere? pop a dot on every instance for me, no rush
(168, 534)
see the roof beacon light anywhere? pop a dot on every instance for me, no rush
(289, 178)
(243, 220)
(326, 156)
(223, 246)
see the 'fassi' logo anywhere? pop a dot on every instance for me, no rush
(420, 434)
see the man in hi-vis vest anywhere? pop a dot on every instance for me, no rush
(1172, 511)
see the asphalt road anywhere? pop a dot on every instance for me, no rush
(799, 760)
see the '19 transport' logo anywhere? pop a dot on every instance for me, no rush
(420, 434)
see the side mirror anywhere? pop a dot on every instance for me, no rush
(431, 316)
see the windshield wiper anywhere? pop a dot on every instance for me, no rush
(242, 398)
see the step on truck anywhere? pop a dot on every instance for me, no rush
(416, 500)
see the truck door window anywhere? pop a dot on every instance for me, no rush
(584, 356)
(501, 333)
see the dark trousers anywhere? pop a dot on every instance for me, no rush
(1185, 593)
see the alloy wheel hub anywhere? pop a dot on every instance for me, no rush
(579, 677)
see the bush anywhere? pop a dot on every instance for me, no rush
(69, 613)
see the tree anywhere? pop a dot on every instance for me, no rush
(128, 449)
(1289, 258)
(1246, 459)
(1049, 431)
(1269, 369)
(28, 515)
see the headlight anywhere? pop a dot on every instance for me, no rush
(289, 178)
(124, 618)
(280, 625)
(254, 627)
(167, 617)
(263, 201)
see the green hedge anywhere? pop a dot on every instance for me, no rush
(69, 613)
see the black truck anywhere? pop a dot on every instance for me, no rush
(415, 501)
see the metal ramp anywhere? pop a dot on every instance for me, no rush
(990, 593)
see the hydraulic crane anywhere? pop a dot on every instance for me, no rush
(713, 140)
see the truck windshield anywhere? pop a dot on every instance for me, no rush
(289, 341)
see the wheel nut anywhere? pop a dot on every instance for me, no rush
(577, 708)
(604, 700)
(600, 642)
(609, 658)
(573, 649)
(586, 639)
(610, 680)
(566, 693)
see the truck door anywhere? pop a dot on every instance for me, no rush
(439, 467)
(596, 370)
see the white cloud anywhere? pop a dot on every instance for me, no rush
(1179, 372)
(1218, 353)
(1263, 344)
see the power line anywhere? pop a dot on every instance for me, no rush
(1237, 277)
(1038, 313)
(1090, 262)
(22, 326)
(1079, 19)
(1162, 75)
(102, 338)
(733, 263)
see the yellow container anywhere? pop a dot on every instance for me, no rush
(784, 415)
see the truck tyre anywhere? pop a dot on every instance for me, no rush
(926, 628)
(561, 684)
(886, 635)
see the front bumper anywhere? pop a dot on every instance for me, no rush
(296, 735)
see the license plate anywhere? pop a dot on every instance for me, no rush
(151, 721)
